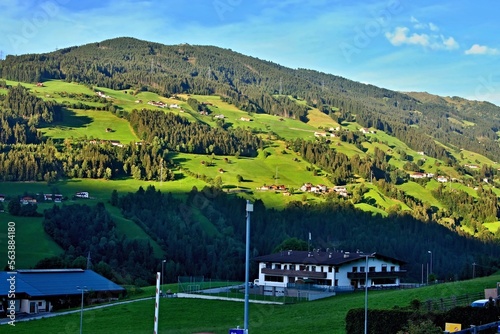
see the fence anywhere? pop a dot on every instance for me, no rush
(445, 304)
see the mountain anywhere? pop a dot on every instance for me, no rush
(259, 86)
(391, 155)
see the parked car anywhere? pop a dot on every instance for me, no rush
(482, 302)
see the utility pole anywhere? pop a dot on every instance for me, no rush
(249, 209)
(281, 85)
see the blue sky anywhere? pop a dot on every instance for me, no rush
(450, 48)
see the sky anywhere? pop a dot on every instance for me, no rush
(449, 47)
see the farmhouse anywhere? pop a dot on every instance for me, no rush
(42, 290)
(330, 270)
(442, 179)
(25, 200)
(82, 194)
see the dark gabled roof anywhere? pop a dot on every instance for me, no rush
(321, 258)
(55, 282)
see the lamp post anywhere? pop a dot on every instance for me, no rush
(84, 289)
(162, 291)
(430, 252)
(249, 208)
(366, 291)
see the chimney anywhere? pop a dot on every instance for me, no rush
(346, 254)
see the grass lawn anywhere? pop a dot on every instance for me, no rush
(32, 243)
(91, 124)
(183, 316)
(416, 190)
(375, 196)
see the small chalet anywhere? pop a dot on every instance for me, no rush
(82, 194)
(442, 179)
(2, 198)
(40, 290)
(330, 270)
(25, 200)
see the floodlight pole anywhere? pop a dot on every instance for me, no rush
(249, 208)
(84, 289)
(430, 252)
(162, 291)
(366, 291)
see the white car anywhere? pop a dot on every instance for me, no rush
(482, 302)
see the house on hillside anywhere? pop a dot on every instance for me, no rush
(82, 194)
(25, 200)
(40, 290)
(442, 179)
(329, 270)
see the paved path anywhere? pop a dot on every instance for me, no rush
(200, 296)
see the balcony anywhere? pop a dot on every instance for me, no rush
(293, 273)
(377, 274)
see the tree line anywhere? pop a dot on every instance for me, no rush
(216, 248)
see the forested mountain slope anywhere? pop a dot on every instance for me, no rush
(391, 157)
(257, 86)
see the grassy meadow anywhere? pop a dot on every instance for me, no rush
(183, 316)
(274, 165)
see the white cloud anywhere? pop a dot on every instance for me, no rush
(449, 43)
(477, 49)
(433, 27)
(422, 25)
(402, 35)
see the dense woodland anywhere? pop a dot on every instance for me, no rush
(254, 86)
(178, 134)
(191, 250)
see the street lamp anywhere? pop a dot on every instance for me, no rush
(366, 291)
(84, 289)
(162, 291)
(431, 260)
(249, 208)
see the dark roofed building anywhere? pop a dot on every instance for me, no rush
(333, 270)
(38, 290)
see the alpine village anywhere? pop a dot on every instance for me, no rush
(131, 170)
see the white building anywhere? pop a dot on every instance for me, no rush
(334, 270)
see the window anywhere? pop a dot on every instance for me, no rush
(330, 269)
(277, 266)
(270, 278)
(337, 269)
(371, 269)
(384, 268)
(313, 268)
(393, 268)
(362, 269)
(355, 269)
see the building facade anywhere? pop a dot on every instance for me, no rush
(334, 270)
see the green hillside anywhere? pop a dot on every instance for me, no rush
(148, 123)
(190, 315)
